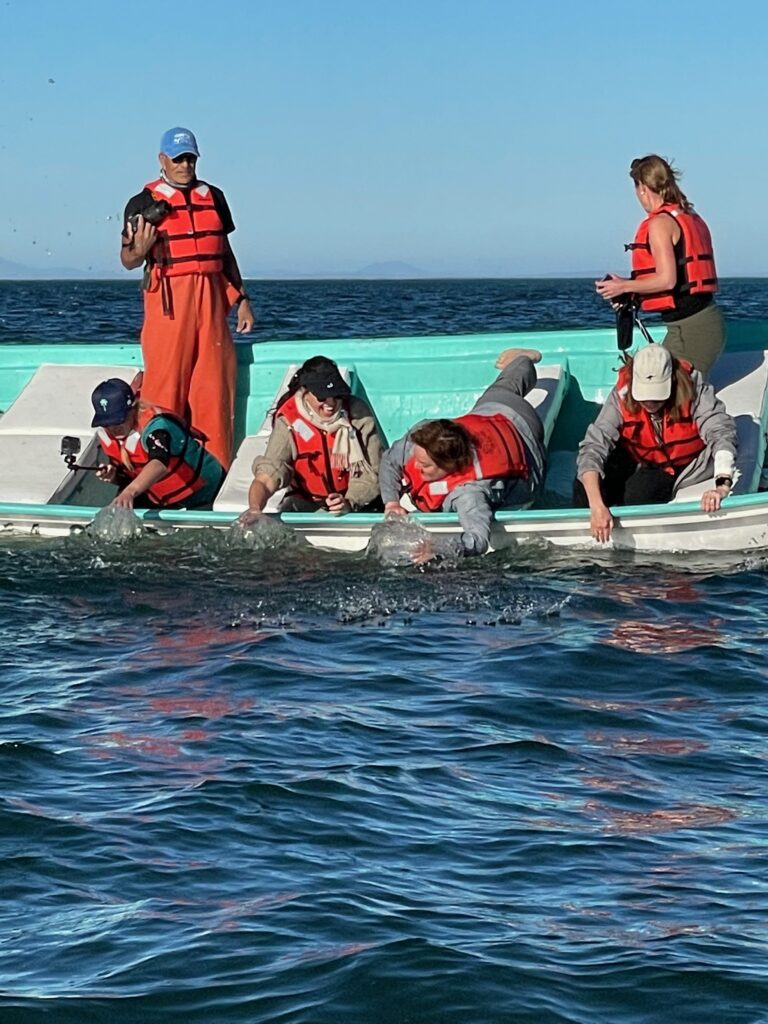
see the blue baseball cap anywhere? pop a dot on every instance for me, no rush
(177, 141)
(112, 400)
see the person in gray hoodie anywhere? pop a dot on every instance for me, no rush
(660, 429)
(494, 456)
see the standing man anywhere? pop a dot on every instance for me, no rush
(178, 226)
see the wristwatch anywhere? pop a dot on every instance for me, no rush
(724, 481)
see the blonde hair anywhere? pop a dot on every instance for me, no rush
(682, 392)
(660, 177)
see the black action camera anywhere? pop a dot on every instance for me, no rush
(70, 449)
(154, 214)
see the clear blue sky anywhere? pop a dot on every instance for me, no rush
(483, 137)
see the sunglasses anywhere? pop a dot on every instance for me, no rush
(185, 158)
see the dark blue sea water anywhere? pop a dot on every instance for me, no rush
(288, 786)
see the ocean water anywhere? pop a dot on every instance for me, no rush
(287, 786)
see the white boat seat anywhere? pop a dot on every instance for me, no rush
(547, 397)
(233, 496)
(55, 402)
(740, 380)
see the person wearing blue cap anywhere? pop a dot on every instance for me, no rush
(178, 227)
(154, 457)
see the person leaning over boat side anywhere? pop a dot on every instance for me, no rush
(673, 266)
(153, 456)
(325, 447)
(191, 281)
(660, 429)
(492, 457)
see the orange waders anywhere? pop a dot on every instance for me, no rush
(190, 362)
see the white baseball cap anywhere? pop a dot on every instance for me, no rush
(652, 374)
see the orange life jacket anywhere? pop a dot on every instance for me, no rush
(697, 262)
(498, 453)
(680, 440)
(190, 240)
(314, 476)
(129, 454)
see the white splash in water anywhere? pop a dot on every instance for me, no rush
(398, 538)
(116, 525)
(264, 533)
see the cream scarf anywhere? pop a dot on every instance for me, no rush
(347, 452)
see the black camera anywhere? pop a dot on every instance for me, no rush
(70, 449)
(154, 214)
(625, 323)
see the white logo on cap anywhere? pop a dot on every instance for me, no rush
(103, 403)
(181, 137)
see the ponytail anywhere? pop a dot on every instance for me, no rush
(660, 177)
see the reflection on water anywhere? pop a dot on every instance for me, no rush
(662, 638)
(660, 820)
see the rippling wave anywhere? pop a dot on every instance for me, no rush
(286, 785)
(99, 311)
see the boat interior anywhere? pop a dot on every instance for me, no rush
(403, 380)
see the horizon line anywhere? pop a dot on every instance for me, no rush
(308, 278)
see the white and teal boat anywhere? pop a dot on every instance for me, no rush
(45, 395)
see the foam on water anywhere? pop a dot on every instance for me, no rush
(115, 525)
(397, 539)
(266, 532)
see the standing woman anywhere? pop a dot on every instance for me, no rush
(673, 267)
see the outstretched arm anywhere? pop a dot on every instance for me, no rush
(472, 503)
(601, 520)
(152, 472)
(599, 441)
(391, 477)
(261, 490)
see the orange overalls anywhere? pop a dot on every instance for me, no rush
(190, 364)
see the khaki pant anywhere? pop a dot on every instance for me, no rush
(699, 339)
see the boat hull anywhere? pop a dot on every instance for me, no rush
(740, 526)
(404, 379)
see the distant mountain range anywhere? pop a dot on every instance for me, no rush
(392, 269)
(388, 270)
(10, 271)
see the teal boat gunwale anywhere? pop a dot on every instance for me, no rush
(87, 513)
